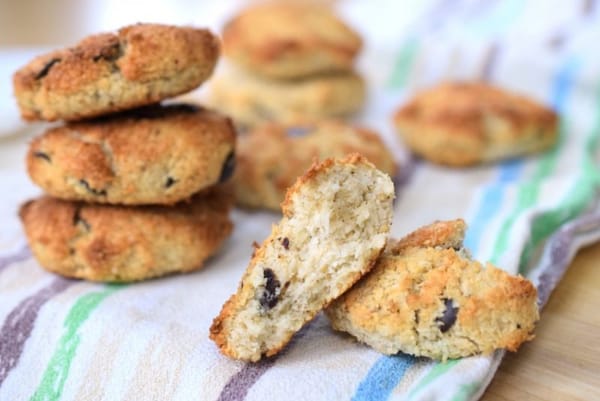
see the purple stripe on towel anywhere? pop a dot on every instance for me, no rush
(19, 323)
(238, 385)
(22, 254)
(560, 254)
(489, 62)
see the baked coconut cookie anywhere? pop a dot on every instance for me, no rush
(469, 123)
(335, 223)
(426, 297)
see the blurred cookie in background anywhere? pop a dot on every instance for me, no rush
(250, 99)
(271, 157)
(288, 62)
(469, 123)
(290, 40)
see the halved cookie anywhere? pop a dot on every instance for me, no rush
(426, 297)
(336, 220)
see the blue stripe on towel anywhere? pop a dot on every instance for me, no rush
(383, 377)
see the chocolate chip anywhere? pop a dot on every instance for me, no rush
(286, 243)
(269, 299)
(94, 191)
(77, 219)
(170, 182)
(228, 167)
(518, 326)
(446, 321)
(42, 155)
(110, 53)
(44, 71)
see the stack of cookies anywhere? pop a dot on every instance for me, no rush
(290, 63)
(132, 185)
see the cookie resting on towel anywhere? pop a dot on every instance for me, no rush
(272, 156)
(120, 244)
(335, 223)
(426, 297)
(469, 123)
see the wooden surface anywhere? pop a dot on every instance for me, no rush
(563, 361)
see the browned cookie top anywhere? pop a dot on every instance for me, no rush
(464, 123)
(140, 64)
(153, 155)
(288, 40)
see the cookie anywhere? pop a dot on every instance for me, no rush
(290, 40)
(139, 65)
(120, 244)
(463, 124)
(152, 155)
(252, 100)
(335, 224)
(426, 297)
(271, 157)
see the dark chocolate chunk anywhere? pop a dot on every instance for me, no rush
(228, 167)
(286, 243)
(97, 192)
(269, 298)
(446, 321)
(170, 182)
(110, 53)
(44, 71)
(42, 155)
(77, 219)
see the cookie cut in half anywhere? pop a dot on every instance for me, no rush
(120, 244)
(151, 155)
(138, 65)
(335, 224)
(468, 123)
(263, 176)
(426, 297)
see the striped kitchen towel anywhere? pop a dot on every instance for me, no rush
(71, 340)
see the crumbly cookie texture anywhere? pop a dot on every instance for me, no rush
(335, 224)
(426, 297)
(251, 100)
(121, 244)
(139, 65)
(467, 123)
(153, 155)
(263, 175)
(290, 40)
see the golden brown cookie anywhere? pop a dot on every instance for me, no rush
(426, 297)
(153, 155)
(335, 224)
(271, 157)
(139, 65)
(462, 124)
(250, 99)
(290, 40)
(116, 243)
